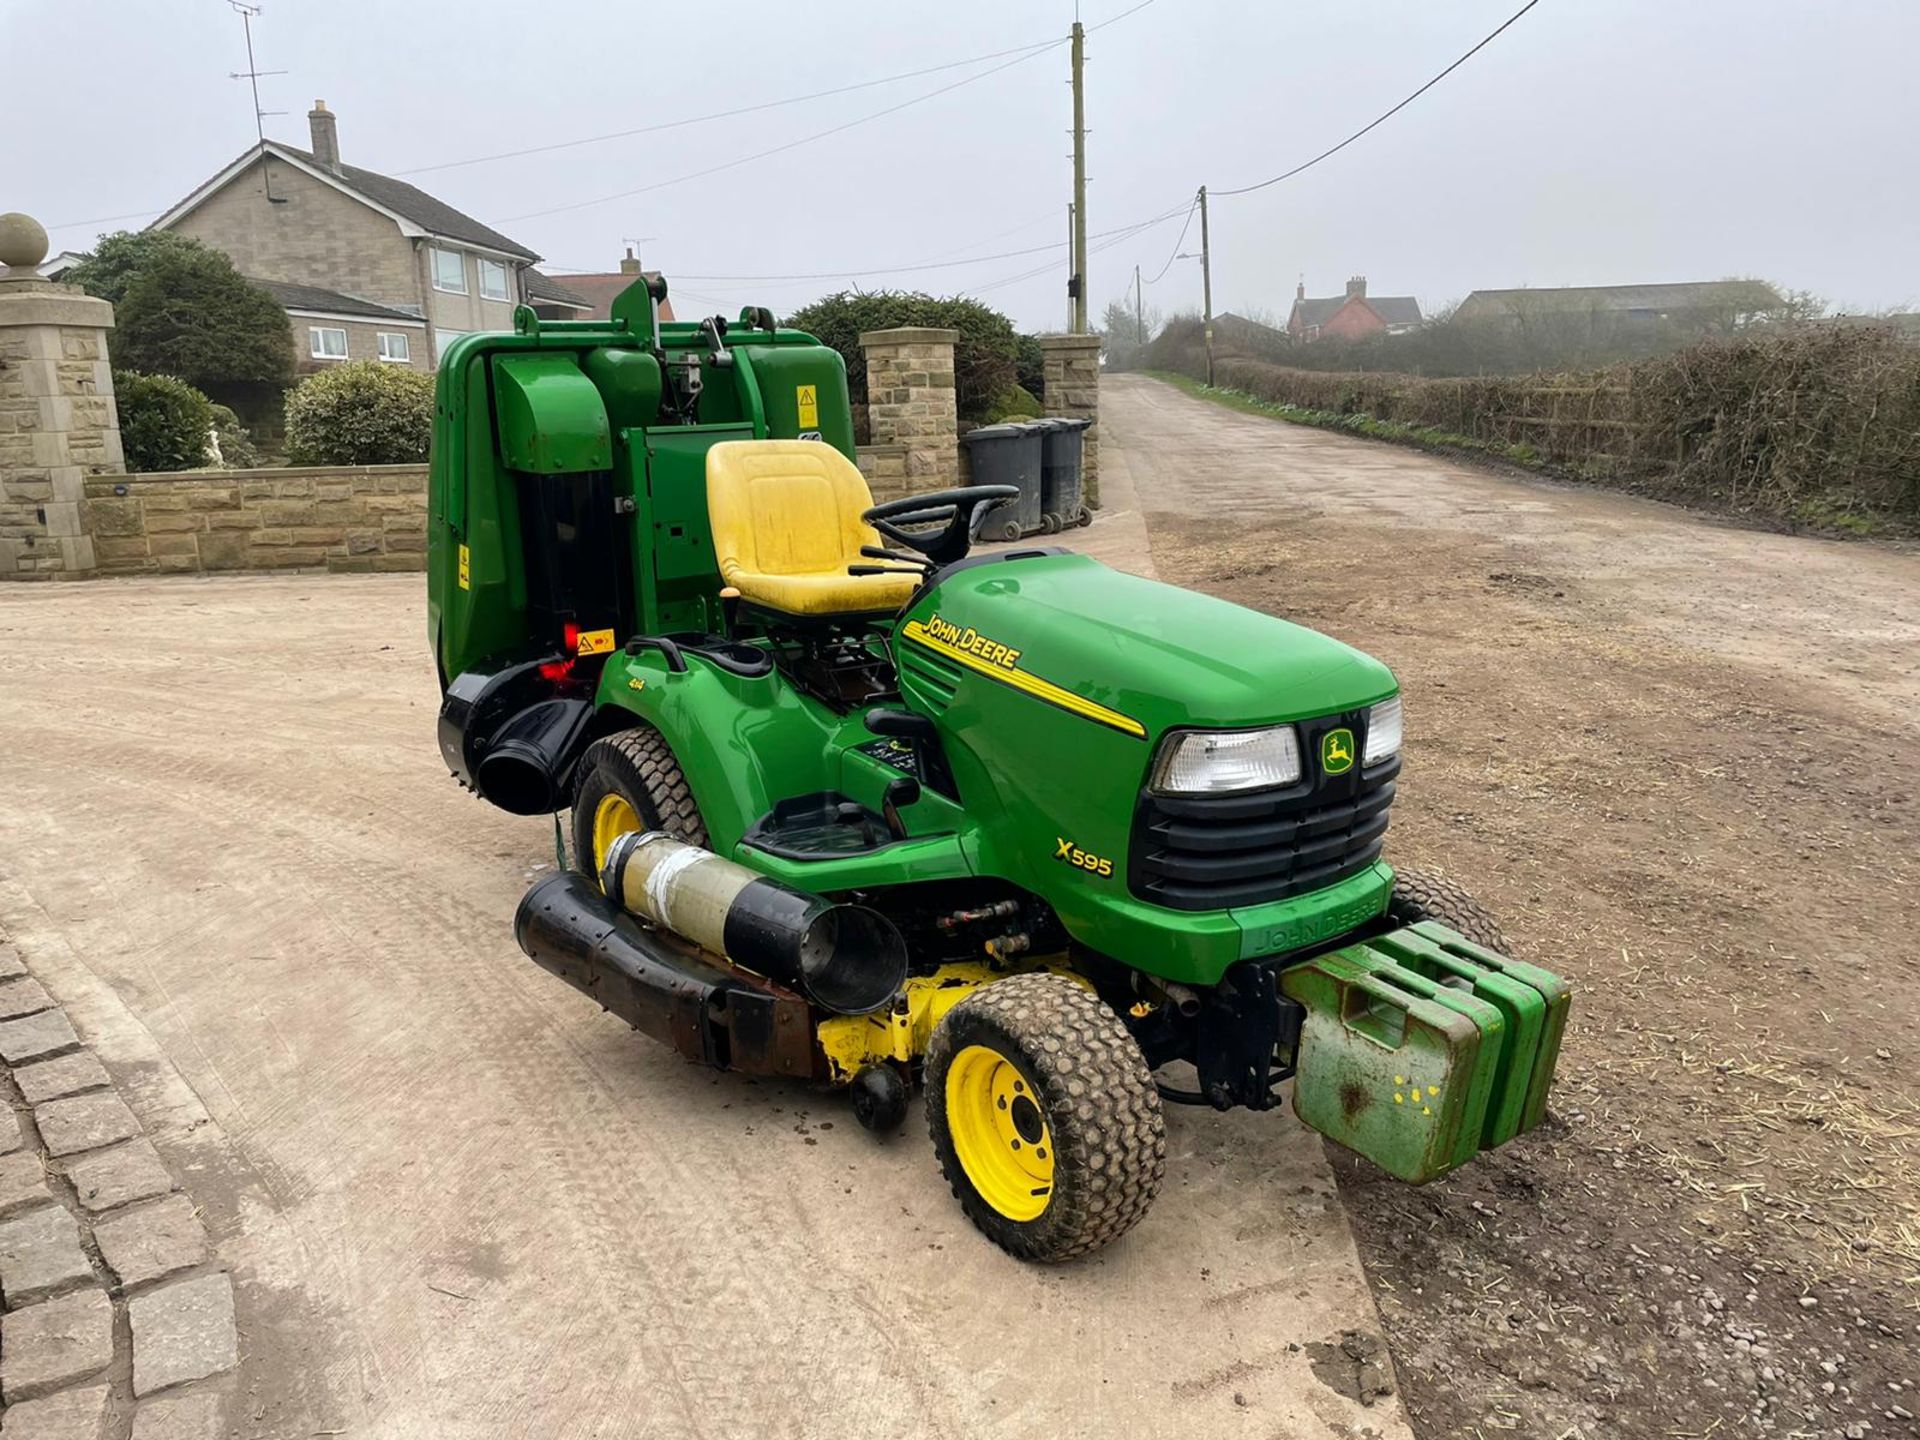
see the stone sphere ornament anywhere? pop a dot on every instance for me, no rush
(23, 241)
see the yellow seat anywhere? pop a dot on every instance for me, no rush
(786, 525)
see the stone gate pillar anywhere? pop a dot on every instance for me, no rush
(1072, 379)
(57, 419)
(910, 402)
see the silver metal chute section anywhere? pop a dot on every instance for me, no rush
(844, 958)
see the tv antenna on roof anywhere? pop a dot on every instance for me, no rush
(252, 76)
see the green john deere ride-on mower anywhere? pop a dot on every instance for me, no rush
(853, 806)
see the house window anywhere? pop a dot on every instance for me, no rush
(450, 271)
(443, 338)
(493, 280)
(326, 342)
(393, 346)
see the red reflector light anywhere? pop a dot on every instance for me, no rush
(556, 670)
(570, 638)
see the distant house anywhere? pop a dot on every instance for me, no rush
(367, 266)
(1352, 316)
(1728, 303)
(55, 267)
(588, 297)
(552, 300)
(1237, 335)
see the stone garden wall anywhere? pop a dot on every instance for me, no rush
(345, 519)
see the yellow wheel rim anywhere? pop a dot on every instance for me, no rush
(1000, 1133)
(613, 817)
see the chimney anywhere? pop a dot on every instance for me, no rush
(1300, 290)
(630, 265)
(1357, 288)
(326, 137)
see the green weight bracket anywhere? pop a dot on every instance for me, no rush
(1523, 1009)
(1399, 1077)
(1555, 994)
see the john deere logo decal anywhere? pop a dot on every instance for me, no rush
(1336, 751)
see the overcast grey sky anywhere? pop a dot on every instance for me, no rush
(1597, 141)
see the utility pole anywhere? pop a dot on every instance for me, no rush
(1079, 180)
(1139, 311)
(1206, 283)
(1073, 266)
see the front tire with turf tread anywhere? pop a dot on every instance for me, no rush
(1099, 1102)
(1421, 895)
(639, 765)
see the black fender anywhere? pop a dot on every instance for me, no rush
(511, 730)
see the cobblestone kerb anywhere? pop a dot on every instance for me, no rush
(116, 1312)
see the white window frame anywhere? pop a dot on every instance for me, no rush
(443, 338)
(459, 257)
(385, 338)
(506, 280)
(314, 344)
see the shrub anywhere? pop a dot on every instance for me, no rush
(164, 422)
(984, 357)
(1030, 364)
(1013, 403)
(188, 312)
(363, 413)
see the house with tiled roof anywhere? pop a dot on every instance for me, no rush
(588, 296)
(1730, 303)
(368, 267)
(1352, 316)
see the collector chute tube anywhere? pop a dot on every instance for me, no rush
(844, 958)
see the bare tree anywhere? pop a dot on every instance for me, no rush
(1125, 331)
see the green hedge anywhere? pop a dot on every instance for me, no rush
(1815, 423)
(986, 357)
(164, 422)
(361, 413)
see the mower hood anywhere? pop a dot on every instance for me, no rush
(1147, 652)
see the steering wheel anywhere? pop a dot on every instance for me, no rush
(943, 522)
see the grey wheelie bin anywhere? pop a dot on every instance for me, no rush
(1062, 479)
(1008, 454)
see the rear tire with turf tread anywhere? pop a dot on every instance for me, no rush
(1421, 895)
(1098, 1100)
(637, 764)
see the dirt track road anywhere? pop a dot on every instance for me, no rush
(1682, 761)
(461, 1202)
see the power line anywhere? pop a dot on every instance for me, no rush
(1174, 254)
(1051, 217)
(105, 219)
(1115, 238)
(1382, 119)
(1018, 53)
(1020, 56)
(1115, 19)
(1121, 231)
(791, 144)
(1021, 50)
(655, 129)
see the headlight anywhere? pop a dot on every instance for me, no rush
(1383, 732)
(1220, 763)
